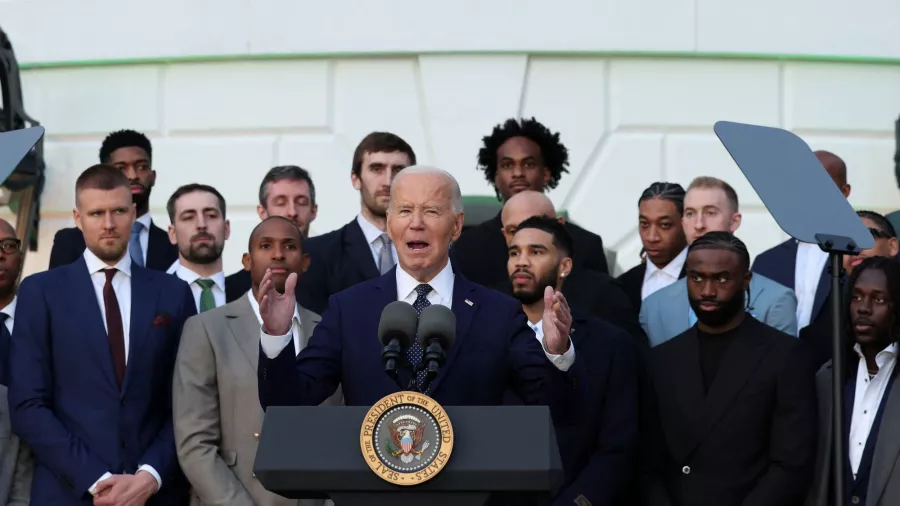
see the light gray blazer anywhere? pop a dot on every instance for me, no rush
(16, 461)
(884, 475)
(217, 416)
(666, 313)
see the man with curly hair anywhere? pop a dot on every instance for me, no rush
(519, 155)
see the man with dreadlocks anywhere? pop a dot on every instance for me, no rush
(149, 247)
(519, 155)
(872, 328)
(660, 209)
(731, 417)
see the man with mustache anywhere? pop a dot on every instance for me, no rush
(731, 417)
(599, 450)
(199, 229)
(149, 245)
(519, 155)
(872, 404)
(215, 401)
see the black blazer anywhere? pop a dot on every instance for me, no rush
(593, 294)
(68, 246)
(633, 282)
(751, 441)
(338, 260)
(481, 253)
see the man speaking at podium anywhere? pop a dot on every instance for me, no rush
(494, 347)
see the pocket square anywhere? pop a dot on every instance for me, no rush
(162, 320)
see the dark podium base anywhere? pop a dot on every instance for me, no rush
(409, 499)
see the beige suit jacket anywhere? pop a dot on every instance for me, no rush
(216, 408)
(16, 461)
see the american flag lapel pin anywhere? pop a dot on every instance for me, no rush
(469, 302)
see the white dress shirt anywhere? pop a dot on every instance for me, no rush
(189, 277)
(121, 283)
(867, 400)
(441, 293)
(656, 279)
(562, 362)
(272, 347)
(807, 271)
(144, 235)
(372, 233)
(10, 311)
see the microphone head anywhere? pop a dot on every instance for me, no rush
(398, 321)
(437, 322)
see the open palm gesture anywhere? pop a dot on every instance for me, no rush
(556, 322)
(277, 309)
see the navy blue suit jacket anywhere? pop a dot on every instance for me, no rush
(494, 350)
(63, 396)
(779, 264)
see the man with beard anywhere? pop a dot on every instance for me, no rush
(91, 363)
(519, 155)
(598, 451)
(149, 245)
(872, 321)
(199, 229)
(287, 191)
(731, 417)
(215, 401)
(16, 460)
(360, 250)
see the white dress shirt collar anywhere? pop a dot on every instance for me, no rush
(370, 231)
(255, 305)
(94, 264)
(189, 276)
(882, 358)
(441, 284)
(144, 220)
(672, 269)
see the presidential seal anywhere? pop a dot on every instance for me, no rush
(406, 438)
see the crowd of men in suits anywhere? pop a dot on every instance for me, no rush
(138, 372)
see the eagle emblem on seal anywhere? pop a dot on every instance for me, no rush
(406, 442)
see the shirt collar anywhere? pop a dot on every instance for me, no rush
(255, 306)
(883, 357)
(673, 268)
(144, 220)
(442, 284)
(10, 309)
(190, 276)
(370, 231)
(95, 265)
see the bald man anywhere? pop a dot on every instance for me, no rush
(803, 267)
(589, 292)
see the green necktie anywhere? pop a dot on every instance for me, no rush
(207, 301)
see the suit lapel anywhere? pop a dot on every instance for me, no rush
(787, 268)
(85, 305)
(681, 308)
(822, 291)
(887, 449)
(384, 292)
(157, 243)
(687, 382)
(244, 327)
(360, 252)
(308, 322)
(143, 309)
(738, 363)
(464, 308)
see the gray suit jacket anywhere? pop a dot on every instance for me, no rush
(884, 475)
(666, 313)
(216, 408)
(16, 462)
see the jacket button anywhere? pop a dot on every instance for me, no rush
(256, 436)
(253, 475)
(686, 470)
(854, 500)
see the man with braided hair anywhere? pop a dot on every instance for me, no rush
(519, 155)
(731, 415)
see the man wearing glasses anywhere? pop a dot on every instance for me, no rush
(16, 460)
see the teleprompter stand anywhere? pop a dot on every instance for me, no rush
(314, 452)
(808, 206)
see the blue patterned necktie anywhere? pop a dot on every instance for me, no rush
(134, 245)
(415, 352)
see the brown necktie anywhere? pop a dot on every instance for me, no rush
(114, 326)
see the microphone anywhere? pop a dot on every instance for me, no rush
(437, 333)
(396, 330)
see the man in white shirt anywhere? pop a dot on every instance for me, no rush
(215, 406)
(199, 229)
(361, 249)
(16, 460)
(495, 349)
(91, 363)
(872, 400)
